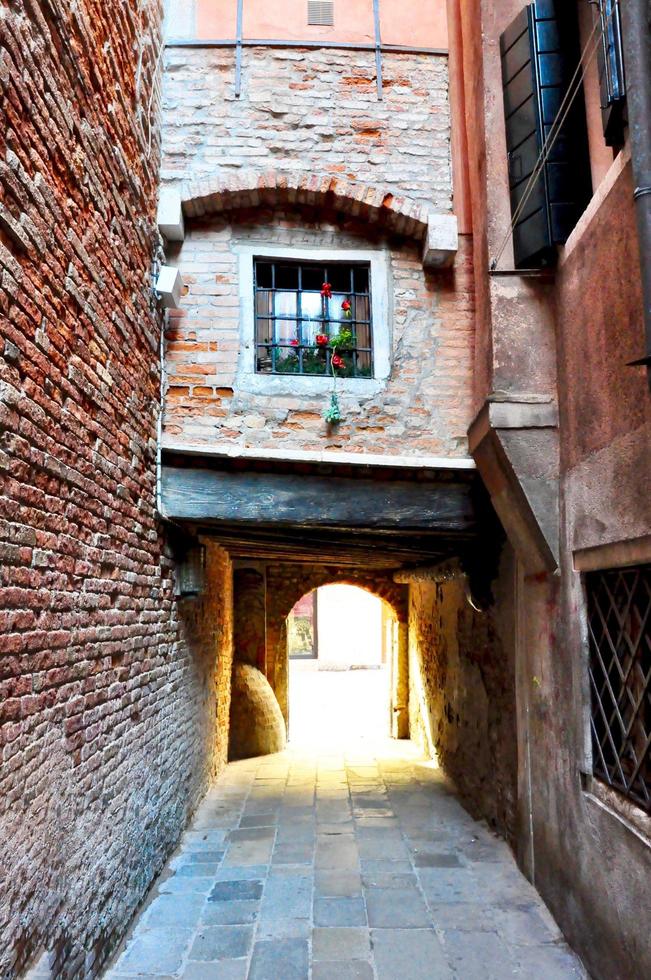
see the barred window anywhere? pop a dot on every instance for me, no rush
(313, 318)
(619, 627)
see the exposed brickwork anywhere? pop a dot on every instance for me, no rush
(425, 406)
(273, 188)
(107, 683)
(257, 725)
(462, 695)
(310, 112)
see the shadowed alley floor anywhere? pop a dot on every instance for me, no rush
(342, 865)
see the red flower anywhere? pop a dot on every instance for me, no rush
(345, 305)
(294, 343)
(322, 339)
(326, 290)
(337, 361)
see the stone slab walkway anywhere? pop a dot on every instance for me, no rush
(355, 864)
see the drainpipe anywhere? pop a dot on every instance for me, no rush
(636, 30)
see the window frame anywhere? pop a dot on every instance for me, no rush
(378, 260)
(300, 346)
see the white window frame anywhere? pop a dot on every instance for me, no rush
(248, 379)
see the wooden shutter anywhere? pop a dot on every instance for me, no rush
(539, 54)
(612, 82)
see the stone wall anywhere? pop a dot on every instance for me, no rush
(108, 684)
(423, 409)
(313, 111)
(462, 692)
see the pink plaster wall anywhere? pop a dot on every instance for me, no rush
(408, 22)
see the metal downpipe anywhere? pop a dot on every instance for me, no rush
(636, 30)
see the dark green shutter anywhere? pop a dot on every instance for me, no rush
(539, 55)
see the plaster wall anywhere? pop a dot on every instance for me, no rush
(407, 22)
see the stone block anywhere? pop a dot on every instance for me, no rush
(441, 241)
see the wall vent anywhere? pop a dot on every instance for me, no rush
(321, 13)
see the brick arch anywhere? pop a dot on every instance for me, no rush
(380, 585)
(249, 189)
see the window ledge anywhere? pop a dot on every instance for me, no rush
(306, 385)
(630, 816)
(618, 166)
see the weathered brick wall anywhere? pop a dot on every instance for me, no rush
(462, 692)
(108, 685)
(423, 409)
(313, 111)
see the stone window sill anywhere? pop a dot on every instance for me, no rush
(630, 816)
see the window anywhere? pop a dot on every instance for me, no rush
(313, 318)
(540, 53)
(320, 13)
(619, 628)
(611, 72)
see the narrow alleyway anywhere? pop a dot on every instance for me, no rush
(342, 865)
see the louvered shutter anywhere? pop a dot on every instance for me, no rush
(539, 53)
(612, 82)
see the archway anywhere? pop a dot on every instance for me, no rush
(343, 644)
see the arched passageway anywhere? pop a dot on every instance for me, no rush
(342, 645)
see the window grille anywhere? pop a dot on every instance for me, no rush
(307, 313)
(321, 13)
(619, 627)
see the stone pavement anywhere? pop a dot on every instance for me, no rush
(350, 864)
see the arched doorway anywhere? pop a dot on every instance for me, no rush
(342, 647)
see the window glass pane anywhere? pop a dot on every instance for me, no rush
(339, 278)
(264, 330)
(286, 331)
(360, 278)
(287, 277)
(360, 307)
(313, 277)
(264, 302)
(312, 305)
(336, 311)
(263, 276)
(285, 304)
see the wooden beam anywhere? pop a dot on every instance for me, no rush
(218, 497)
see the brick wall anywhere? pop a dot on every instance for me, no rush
(313, 111)
(108, 685)
(462, 692)
(424, 408)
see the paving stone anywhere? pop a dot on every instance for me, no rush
(281, 959)
(341, 944)
(230, 913)
(258, 820)
(296, 853)
(337, 852)
(480, 955)
(221, 942)
(251, 833)
(525, 927)
(396, 908)
(550, 963)
(353, 970)
(396, 951)
(338, 884)
(339, 912)
(154, 951)
(174, 910)
(230, 891)
(221, 970)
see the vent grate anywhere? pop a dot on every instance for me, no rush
(321, 13)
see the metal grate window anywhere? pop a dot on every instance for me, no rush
(321, 13)
(619, 627)
(313, 318)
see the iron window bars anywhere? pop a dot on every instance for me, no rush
(299, 326)
(619, 628)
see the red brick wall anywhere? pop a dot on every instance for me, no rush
(107, 683)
